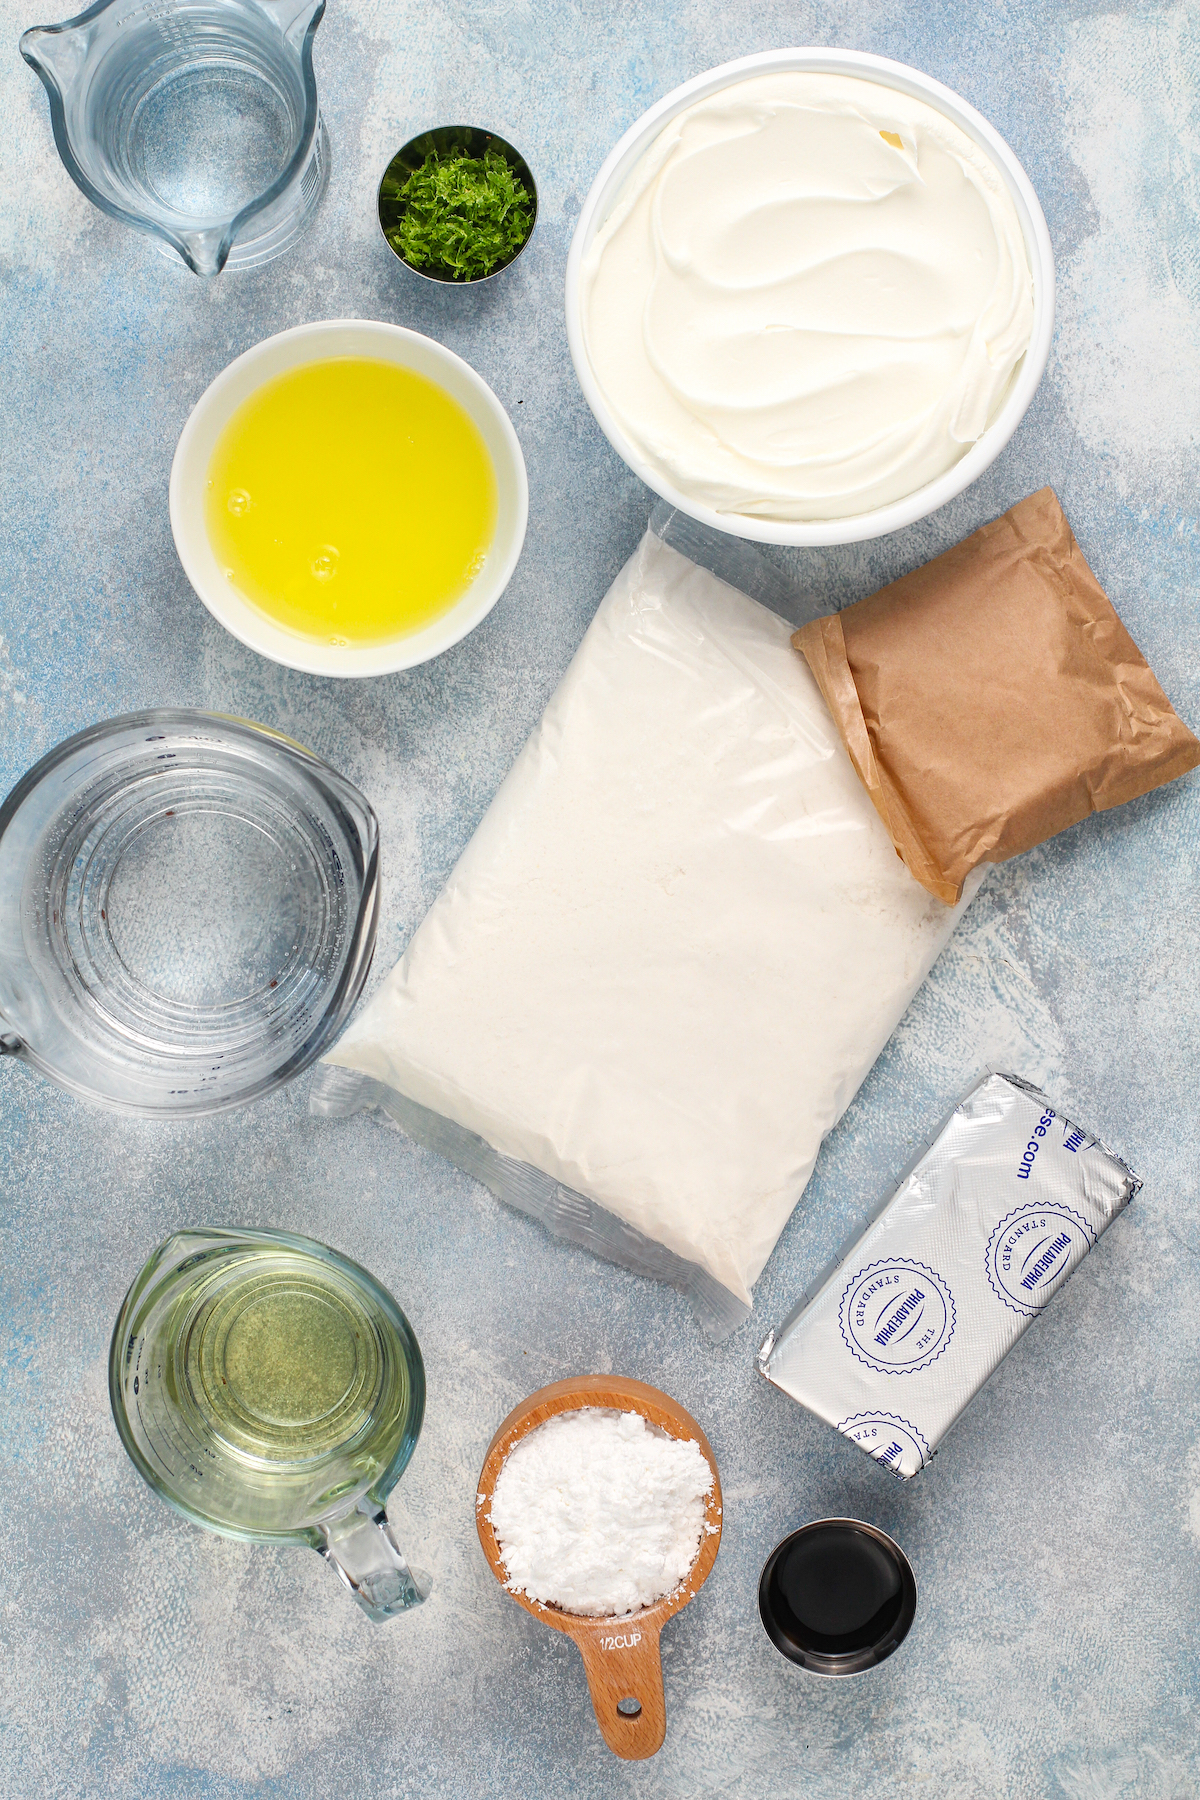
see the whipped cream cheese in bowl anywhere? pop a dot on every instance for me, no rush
(810, 296)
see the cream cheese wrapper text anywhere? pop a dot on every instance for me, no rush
(809, 299)
(678, 939)
(980, 1235)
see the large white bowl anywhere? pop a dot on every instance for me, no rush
(898, 513)
(314, 343)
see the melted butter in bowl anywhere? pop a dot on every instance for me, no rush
(351, 500)
(349, 497)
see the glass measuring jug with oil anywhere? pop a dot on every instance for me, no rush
(271, 1390)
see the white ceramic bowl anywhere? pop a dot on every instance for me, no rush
(313, 343)
(898, 513)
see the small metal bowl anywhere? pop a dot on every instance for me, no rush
(837, 1596)
(471, 140)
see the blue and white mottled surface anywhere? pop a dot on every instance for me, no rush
(1057, 1537)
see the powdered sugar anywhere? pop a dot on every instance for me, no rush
(599, 1513)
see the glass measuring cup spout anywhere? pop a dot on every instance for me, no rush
(361, 1547)
(193, 120)
(269, 1389)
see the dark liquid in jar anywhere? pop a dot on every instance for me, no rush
(837, 1597)
(836, 1591)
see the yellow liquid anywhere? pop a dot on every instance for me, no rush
(351, 500)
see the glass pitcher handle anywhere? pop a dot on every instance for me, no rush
(371, 1563)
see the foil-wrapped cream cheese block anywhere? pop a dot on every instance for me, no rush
(995, 1214)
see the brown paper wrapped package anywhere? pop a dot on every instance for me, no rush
(993, 697)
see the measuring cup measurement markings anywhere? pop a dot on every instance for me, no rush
(271, 1390)
(173, 1442)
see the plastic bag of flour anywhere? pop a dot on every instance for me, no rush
(673, 948)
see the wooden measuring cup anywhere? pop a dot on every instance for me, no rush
(620, 1655)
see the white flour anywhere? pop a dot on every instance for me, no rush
(598, 1513)
(679, 938)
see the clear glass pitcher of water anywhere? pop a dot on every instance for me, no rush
(271, 1390)
(194, 120)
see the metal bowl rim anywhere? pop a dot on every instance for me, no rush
(526, 172)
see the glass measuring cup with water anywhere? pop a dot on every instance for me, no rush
(271, 1390)
(188, 909)
(194, 120)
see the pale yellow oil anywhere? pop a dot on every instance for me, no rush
(351, 500)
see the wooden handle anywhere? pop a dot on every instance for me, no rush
(622, 1662)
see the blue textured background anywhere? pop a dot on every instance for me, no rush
(1056, 1538)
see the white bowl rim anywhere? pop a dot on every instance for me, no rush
(255, 629)
(907, 80)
